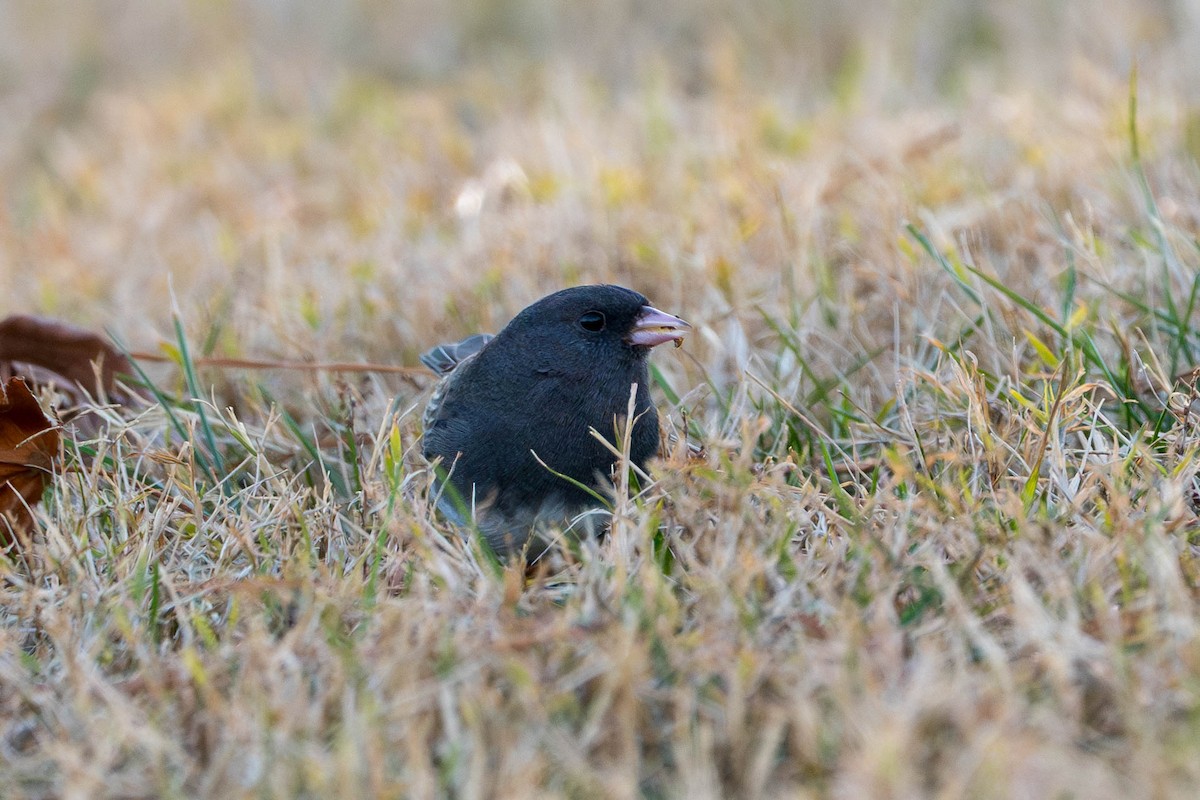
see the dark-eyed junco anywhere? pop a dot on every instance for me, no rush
(563, 365)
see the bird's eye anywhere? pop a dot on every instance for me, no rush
(592, 321)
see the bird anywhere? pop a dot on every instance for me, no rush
(508, 426)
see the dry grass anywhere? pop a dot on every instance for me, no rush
(943, 540)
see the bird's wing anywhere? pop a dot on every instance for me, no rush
(445, 357)
(449, 360)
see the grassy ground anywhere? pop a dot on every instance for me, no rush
(943, 538)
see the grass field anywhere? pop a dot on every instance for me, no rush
(942, 263)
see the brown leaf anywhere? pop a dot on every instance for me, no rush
(28, 453)
(55, 349)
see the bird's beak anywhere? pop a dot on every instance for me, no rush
(653, 327)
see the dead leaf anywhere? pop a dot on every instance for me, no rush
(57, 350)
(82, 367)
(28, 453)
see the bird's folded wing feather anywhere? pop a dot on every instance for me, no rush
(445, 357)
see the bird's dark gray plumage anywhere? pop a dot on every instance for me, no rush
(562, 366)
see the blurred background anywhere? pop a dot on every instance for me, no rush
(56, 55)
(341, 178)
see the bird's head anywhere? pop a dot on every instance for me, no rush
(597, 319)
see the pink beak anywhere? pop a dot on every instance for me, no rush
(653, 327)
